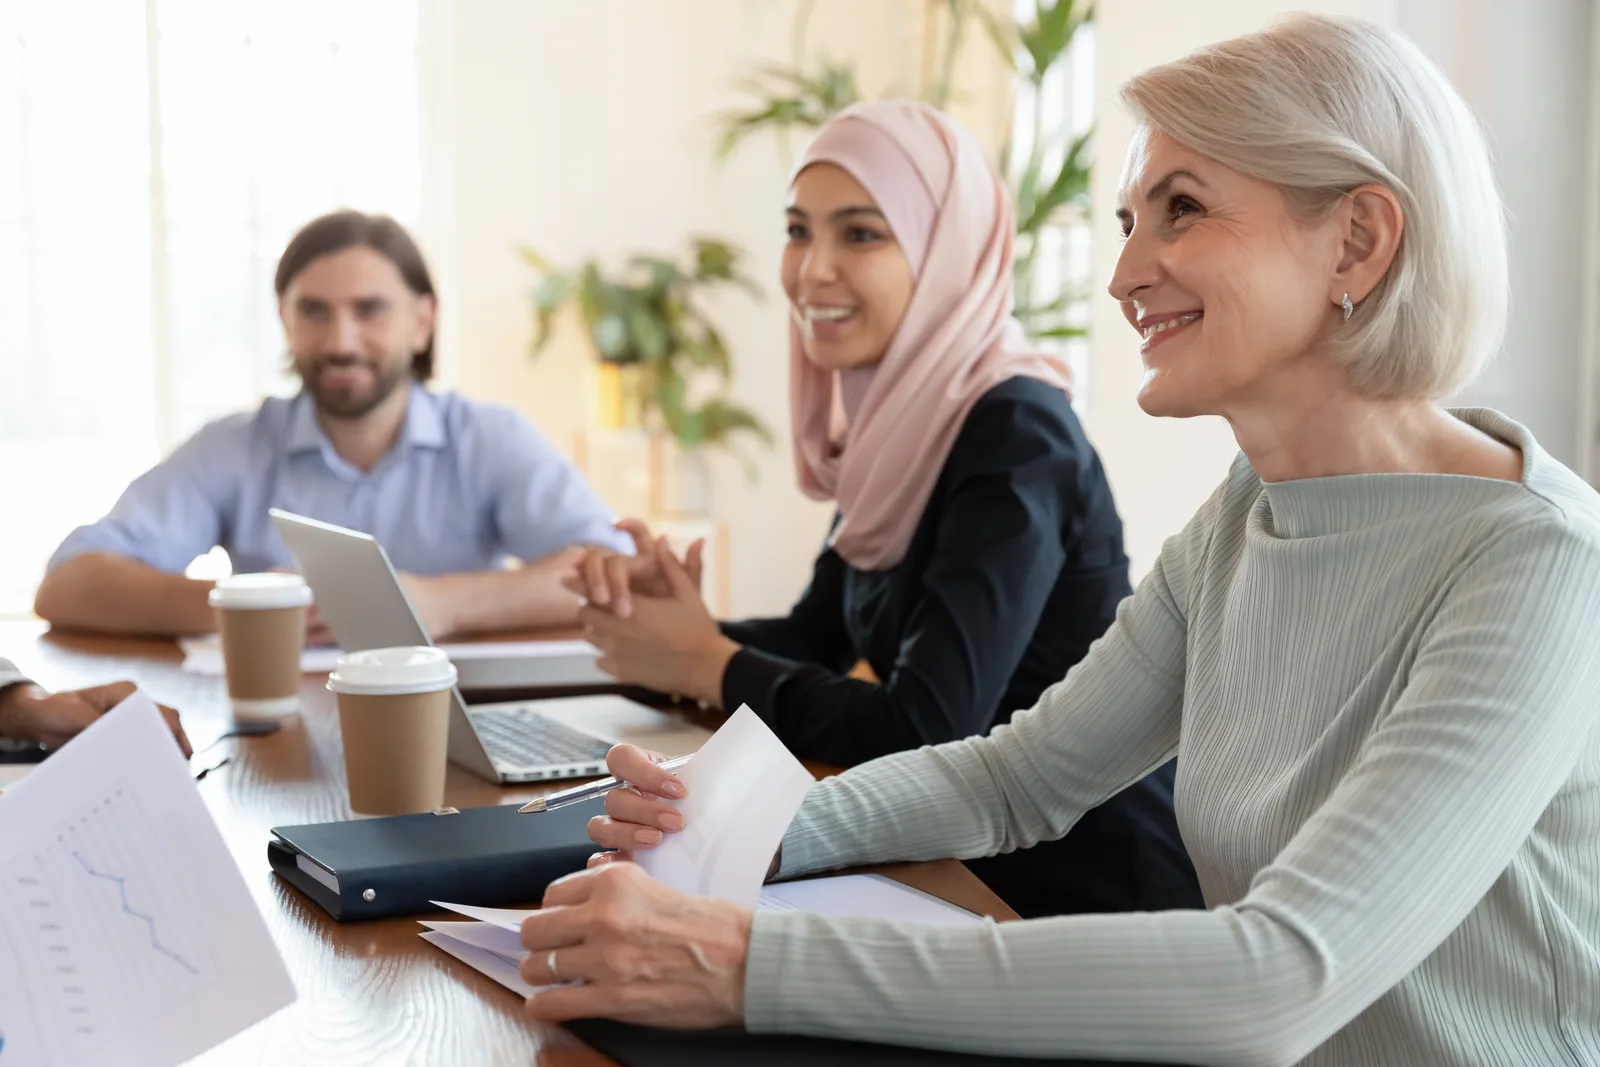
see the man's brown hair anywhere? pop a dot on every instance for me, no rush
(348, 229)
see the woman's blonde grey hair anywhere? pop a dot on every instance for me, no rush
(1318, 106)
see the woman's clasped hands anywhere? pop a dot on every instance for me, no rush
(646, 616)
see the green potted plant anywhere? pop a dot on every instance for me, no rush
(657, 352)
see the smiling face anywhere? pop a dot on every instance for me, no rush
(1227, 286)
(353, 327)
(847, 278)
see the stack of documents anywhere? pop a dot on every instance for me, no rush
(744, 789)
(491, 943)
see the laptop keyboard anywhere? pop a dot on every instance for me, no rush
(528, 739)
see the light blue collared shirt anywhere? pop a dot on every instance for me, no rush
(467, 487)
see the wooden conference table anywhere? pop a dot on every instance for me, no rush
(373, 992)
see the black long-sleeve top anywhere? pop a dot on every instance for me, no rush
(1015, 568)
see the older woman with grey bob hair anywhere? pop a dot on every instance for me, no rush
(1375, 651)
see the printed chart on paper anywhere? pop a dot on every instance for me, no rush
(103, 930)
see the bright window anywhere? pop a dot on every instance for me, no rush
(154, 159)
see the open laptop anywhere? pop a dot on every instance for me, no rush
(360, 597)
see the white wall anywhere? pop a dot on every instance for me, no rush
(584, 127)
(1526, 69)
(1161, 469)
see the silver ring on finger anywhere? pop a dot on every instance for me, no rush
(550, 964)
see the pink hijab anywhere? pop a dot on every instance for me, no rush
(951, 215)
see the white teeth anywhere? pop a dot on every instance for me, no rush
(1181, 320)
(829, 314)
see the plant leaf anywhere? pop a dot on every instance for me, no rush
(794, 77)
(1048, 36)
(650, 337)
(610, 335)
(592, 293)
(534, 259)
(717, 353)
(551, 291)
(691, 429)
(1069, 185)
(736, 126)
(787, 97)
(1056, 26)
(1027, 192)
(1059, 332)
(836, 87)
(541, 330)
(722, 418)
(1078, 151)
(668, 397)
(548, 296)
(661, 273)
(714, 260)
(1059, 304)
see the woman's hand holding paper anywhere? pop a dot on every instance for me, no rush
(636, 816)
(635, 950)
(639, 816)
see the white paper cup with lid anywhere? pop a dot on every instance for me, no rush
(394, 717)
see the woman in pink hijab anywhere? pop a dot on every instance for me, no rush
(977, 552)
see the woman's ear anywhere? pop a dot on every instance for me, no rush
(1371, 224)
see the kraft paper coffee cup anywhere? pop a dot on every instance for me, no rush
(394, 716)
(262, 620)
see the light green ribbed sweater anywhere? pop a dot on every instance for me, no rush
(1383, 692)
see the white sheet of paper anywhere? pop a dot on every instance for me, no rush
(130, 935)
(203, 655)
(522, 649)
(499, 968)
(864, 896)
(744, 788)
(488, 936)
(505, 918)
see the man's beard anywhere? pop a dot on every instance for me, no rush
(343, 402)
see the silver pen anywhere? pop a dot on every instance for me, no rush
(579, 793)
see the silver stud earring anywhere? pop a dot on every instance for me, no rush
(1349, 308)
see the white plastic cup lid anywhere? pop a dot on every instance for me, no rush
(393, 671)
(260, 591)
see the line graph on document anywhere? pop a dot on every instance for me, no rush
(85, 890)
